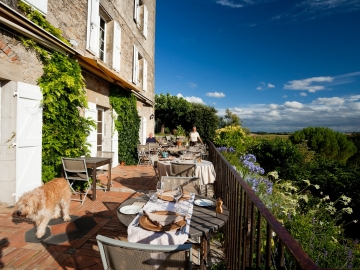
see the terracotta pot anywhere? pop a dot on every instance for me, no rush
(122, 163)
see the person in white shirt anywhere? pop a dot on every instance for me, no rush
(194, 136)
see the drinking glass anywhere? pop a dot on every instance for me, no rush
(177, 194)
(160, 189)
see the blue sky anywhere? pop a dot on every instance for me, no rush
(280, 65)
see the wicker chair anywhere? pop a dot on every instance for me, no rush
(189, 184)
(182, 169)
(117, 255)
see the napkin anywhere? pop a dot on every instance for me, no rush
(169, 193)
(163, 220)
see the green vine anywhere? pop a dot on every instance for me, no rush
(127, 124)
(37, 18)
(65, 131)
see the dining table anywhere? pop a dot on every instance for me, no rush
(204, 170)
(93, 163)
(203, 223)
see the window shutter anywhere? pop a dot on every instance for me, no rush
(135, 65)
(145, 75)
(116, 47)
(93, 26)
(146, 16)
(136, 11)
(40, 5)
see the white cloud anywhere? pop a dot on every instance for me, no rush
(215, 94)
(293, 105)
(338, 113)
(236, 109)
(307, 84)
(330, 101)
(303, 94)
(284, 96)
(192, 85)
(228, 3)
(264, 86)
(192, 99)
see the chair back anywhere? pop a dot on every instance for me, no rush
(189, 184)
(182, 169)
(74, 166)
(154, 160)
(117, 254)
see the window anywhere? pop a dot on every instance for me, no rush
(40, 5)
(139, 70)
(103, 35)
(100, 129)
(141, 16)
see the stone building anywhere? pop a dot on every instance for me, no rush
(114, 43)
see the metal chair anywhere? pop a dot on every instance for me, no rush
(154, 148)
(189, 184)
(182, 169)
(143, 154)
(75, 170)
(154, 161)
(117, 254)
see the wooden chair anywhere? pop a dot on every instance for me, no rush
(75, 170)
(117, 254)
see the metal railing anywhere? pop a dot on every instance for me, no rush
(254, 238)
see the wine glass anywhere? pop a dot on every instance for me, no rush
(160, 188)
(177, 194)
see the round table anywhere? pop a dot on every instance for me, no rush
(204, 221)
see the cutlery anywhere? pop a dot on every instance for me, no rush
(137, 221)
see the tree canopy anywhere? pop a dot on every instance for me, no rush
(230, 119)
(326, 142)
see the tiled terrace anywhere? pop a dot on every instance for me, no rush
(81, 252)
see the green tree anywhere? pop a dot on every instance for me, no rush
(230, 119)
(171, 110)
(324, 141)
(354, 161)
(204, 118)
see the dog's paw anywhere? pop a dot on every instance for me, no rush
(67, 218)
(40, 233)
(56, 216)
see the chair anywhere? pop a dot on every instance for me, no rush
(143, 154)
(182, 169)
(75, 170)
(154, 161)
(189, 184)
(117, 254)
(154, 148)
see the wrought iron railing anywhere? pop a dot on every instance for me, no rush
(254, 238)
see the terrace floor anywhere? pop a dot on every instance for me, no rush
(72, 245)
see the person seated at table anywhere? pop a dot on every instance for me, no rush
(151, 139)
(194, 136)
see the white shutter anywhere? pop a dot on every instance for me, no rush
(114, 142)
(28, 138)
(93, 27)
(41, 5)
(146, 16)
(136, 11)
(116, 47)
(145, 75)
(91, 139)
(135, 65)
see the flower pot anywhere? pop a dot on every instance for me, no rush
(122, 163)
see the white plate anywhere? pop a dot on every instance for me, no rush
(203, 202)
(130, 209)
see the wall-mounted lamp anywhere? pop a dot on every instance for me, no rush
(152, 116)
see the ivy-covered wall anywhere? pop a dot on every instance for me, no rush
(127, 124)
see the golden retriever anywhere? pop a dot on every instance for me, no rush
(44, 203)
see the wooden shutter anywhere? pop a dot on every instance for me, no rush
(40, 5)
(145, 75)
(146, 16)
(135, 65)
(116, 47)
(136, 11)
(93, 26)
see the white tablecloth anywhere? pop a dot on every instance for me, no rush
(204, 170)
(139, 235)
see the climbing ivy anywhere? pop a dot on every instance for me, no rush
(127, 124)
(37, 18)
(64, 130)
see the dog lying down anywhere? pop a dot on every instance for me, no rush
(45, 203)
